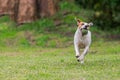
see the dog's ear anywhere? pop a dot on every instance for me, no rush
(78, 21)
(90, 24)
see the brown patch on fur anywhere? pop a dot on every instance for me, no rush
(79, 23)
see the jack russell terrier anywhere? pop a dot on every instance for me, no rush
(82, 39)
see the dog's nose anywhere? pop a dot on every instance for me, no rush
(86, 26)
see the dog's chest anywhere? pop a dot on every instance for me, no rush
(83, 41)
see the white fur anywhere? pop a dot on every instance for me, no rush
(81, 41)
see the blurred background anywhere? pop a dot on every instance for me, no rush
(50, 23)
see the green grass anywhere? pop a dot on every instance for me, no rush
(34, 63)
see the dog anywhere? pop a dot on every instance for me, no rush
(82, 39)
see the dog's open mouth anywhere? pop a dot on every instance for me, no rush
(86, 28)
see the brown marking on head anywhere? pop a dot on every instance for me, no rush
(79, 23)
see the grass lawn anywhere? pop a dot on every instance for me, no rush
(102, 63)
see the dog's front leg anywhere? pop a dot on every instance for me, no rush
(77, 50)
(81, 58)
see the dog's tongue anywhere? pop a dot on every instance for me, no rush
(84, 32)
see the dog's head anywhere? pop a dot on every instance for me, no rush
(83, 25)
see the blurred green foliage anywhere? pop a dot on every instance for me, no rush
(56, 31)
(106, 13)
(41, 41)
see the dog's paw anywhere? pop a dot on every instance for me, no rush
(82, 62)
(81, 58)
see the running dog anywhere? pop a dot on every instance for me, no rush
(82, 39)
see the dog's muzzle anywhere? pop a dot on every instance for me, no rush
(86, 27)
